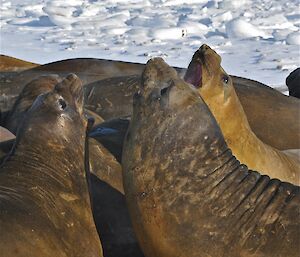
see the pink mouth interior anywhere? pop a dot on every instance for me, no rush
(193, 74)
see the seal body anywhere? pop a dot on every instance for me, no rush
(187, 194)
(44, 199)
(11, 64)
(216, 88)
(87, 69)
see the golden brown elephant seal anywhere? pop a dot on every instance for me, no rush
(187, 194)
(44, 199)
(216, 88)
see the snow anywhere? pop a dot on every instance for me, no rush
(257, 39)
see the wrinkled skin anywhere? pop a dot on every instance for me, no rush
(187, 194)
(44, 199)
(216, 88)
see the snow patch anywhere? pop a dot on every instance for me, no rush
(239, 28)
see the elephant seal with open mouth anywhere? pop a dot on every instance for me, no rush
(216, 88)
(187, 194)
(44, 199)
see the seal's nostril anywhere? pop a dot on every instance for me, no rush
(62, 103)
(71, 77)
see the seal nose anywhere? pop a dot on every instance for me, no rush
(204, 48)
(199, 55)
(75, 85)
(156, 74)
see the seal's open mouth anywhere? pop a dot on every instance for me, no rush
(193, 74)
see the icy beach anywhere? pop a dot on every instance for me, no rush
(257, 39)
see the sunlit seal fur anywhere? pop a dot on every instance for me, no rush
(187, 194)
(44, 199)
(216, 88)
(11, 64)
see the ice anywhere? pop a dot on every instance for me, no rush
(239, 28)
(293, 38)
(258, 39)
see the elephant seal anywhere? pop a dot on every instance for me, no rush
(104, 165)
(87, 69)
(216, 88)
(187, 194)
(264, 106)
(293, 83)
(11, 64)
(44, 198)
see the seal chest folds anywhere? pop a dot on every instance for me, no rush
(186, 193)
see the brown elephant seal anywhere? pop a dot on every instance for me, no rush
(104, 164)
(11, 64)
(187, 194)
(44, 198)
(264, 106)
(87, 69)
(293, 83)
(216, 88)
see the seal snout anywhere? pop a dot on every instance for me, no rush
(75, 85)
(157, 77)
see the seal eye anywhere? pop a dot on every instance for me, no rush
(225, 79)
(62, 103)
(164, 91)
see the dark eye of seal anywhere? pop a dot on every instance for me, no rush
(62, 103)
(225, 79)
(164, 91)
